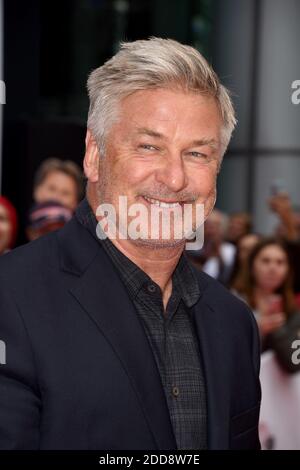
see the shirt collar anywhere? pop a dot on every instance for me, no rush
(184, 279)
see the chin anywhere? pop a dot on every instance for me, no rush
(159, 243)
(272, 287)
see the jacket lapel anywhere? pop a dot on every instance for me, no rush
(211, 343)
(101, 293)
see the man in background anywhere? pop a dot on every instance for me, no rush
(60, 181)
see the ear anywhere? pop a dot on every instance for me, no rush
(91, 158)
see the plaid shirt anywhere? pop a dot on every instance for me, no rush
(171, 334)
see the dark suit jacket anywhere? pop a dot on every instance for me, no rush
(80, 373)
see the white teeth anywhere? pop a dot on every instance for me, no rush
(158, 203)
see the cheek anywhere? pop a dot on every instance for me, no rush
(282, 272)
(5, 228)
(202, 181)
(259, 271)
(131, 172)
(138, 173)
(71, 195)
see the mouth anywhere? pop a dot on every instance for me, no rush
(163, 204)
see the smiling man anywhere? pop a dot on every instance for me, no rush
(116, 342)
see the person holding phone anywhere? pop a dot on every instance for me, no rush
(267, 288)
(288, 227)
(280, 204)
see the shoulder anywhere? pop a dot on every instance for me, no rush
(45, 261)
(23, 262)
(222, 300)
(215, 291)
(45, 253)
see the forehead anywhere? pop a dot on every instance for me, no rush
(170, 111)
(273, 250)
(56, 176)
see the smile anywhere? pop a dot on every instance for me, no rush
(166, 205)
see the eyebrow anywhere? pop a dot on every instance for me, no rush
(200, 142)
(210, 142)
(150, 132)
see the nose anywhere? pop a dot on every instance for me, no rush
(273, 269)
(172, 173)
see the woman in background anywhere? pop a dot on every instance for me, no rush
(244, 246)
(267, 288)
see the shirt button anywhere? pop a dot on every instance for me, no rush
(175, 391)
(151, 288)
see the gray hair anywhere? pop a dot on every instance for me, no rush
(150, 64)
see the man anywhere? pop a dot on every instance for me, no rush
(217, 255)
(60, 181)
(118, 343)
(239, 224)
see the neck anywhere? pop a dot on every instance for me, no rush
(158, 262)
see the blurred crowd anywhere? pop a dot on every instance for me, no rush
(262, 271)
(58, 187)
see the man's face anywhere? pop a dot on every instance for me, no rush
(57, 186)
(165, 148)
(237, 227)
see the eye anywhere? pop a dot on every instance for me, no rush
(147, 147)
(198, 155)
